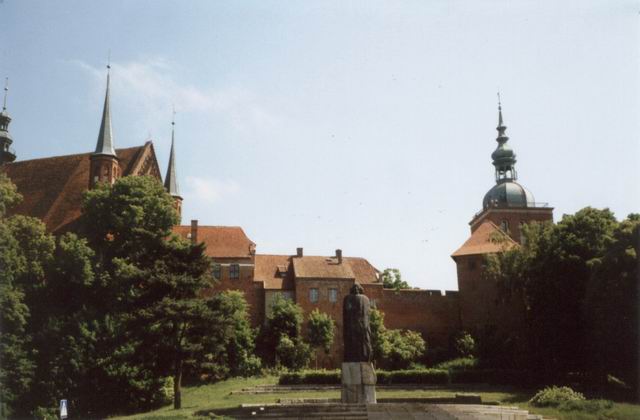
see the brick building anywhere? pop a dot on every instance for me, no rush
(53, 186)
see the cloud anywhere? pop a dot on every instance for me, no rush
(208, 190)
(149, 87)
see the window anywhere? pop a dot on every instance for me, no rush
(373, 303)
(216, 271)
(333, 295)
(314, 295)
(472, 265)
(234, 271)
(504, 225)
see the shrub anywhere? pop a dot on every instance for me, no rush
(590, 406)
(554, 396)
(426, 376)
(324, 377)
(404, 347)
(464, 345)
(293, 353)
(461, 363)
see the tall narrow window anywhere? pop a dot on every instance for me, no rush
(504, 225)
(234, 271)
(216, 271)
(333, 295)
(314, 295)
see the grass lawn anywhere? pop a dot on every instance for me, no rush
(208, 397)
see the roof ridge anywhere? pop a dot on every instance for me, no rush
(71, 155)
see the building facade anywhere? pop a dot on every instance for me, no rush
(52, 188)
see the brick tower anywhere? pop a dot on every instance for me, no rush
(506, 207)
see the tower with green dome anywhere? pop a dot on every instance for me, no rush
(508, 203)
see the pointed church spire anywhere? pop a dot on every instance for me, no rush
(171, 181)
(504, 158)
(7, 154)
(105, 138)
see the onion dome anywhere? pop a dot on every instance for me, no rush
(506, 192)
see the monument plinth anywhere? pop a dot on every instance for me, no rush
(358, 375)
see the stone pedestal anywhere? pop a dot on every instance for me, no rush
(358, 383)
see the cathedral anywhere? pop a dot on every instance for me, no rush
(52, 189)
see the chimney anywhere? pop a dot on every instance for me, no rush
(194, 231)
(339, 255)
(299, 252)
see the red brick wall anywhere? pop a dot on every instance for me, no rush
(429, 312)
(303, 287)
(253, 291)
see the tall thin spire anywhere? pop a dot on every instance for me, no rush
(171, 179)
(105, 138)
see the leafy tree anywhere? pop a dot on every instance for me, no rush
(379, 340)
(611, 304)
(228, 349)
(404, 347)
(320, 330)
(464, 344)
(394, 349)
(155, 285)
(392, 279)
(551, 271)
(281, 336)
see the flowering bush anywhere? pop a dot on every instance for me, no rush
(554, 396)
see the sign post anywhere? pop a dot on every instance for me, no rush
(63, 409)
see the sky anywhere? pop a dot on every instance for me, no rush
(361, 125)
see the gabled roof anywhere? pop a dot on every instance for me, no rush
(321, 268)
(221, 241)
(486, 239)
(268, 270)
(52, 187)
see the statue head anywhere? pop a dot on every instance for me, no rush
(356, 289)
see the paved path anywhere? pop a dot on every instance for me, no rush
(385, 411)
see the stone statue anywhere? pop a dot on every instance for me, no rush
(357, 333)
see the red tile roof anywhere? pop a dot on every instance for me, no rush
(52, 187)
(221, 241)
(486, 239)
(267, 270)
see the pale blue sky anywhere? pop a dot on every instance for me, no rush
(360, 125)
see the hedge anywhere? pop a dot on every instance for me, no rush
(332, 377)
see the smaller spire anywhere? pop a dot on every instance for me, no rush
(504, 159)
(171, 180)
(6, 92)
(105, 138)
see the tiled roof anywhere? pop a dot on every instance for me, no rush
(486, 239)
(52, 187)
(267, 270)
(221, 241)
(363, 270)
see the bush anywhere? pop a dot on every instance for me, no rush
(589, 406)
(403, 348)
(554, 396)
(332, 377)
(320, 377)
(461, 363)
(464, 345)
(426, 376)
(293, 353)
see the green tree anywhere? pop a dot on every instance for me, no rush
(464, 344)
(551, 271)
(404, 347)
(379, 340)
(154, 288)
(392, 279)
(320, 330)
(228, 349)
(611, 305)
(281, 340)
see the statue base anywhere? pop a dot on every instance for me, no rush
(358, 383)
